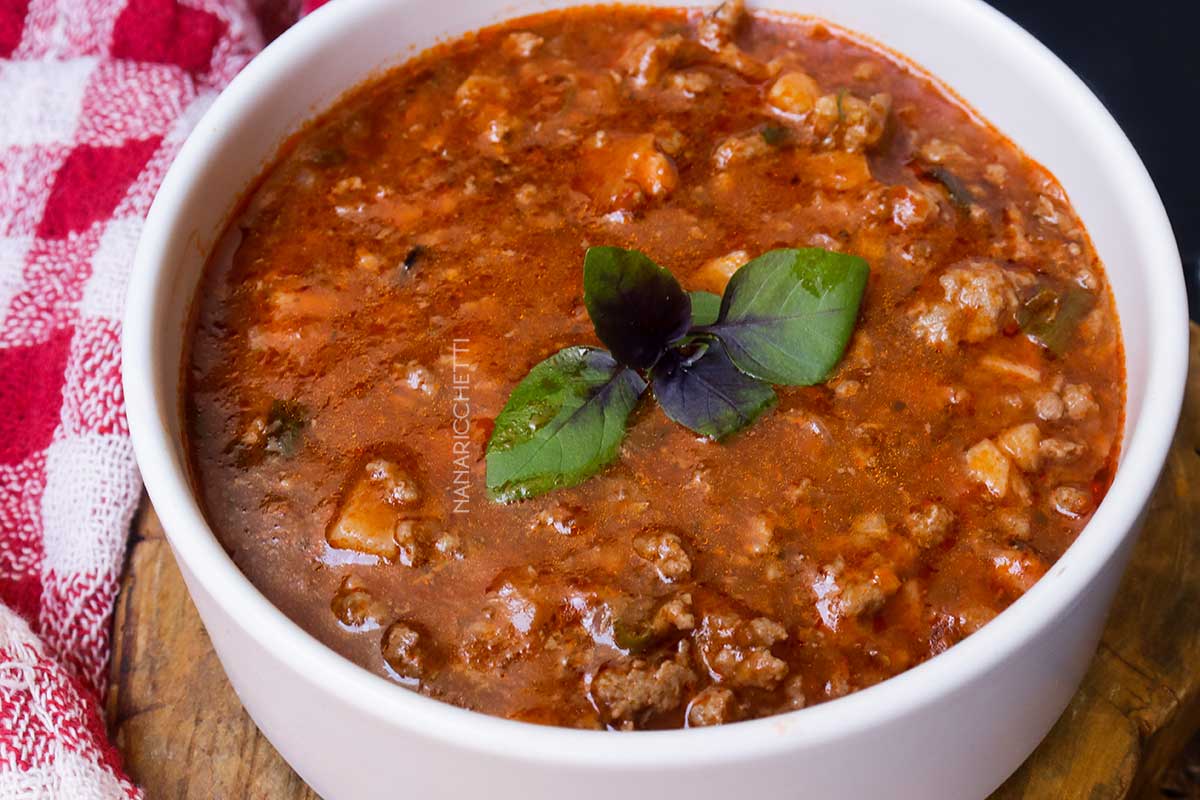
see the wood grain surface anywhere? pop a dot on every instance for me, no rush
(184, 734)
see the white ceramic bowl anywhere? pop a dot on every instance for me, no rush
(953, 727)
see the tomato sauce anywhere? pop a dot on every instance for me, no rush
(419, 247)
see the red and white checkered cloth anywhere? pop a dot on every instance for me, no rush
(95, 98)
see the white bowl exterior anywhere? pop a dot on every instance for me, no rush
(952, 727)
(959, 747)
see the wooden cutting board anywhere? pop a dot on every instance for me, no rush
(184, 734)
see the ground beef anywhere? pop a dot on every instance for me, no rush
(356, 607)
(1071, 501)
(664, 549)
(979, 298)
(631, 690)
(507, 627)
(738, 651)
(929, 525)
(713, 706)
(403, 651)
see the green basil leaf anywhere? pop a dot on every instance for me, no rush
(562, 423)
(700, 388)
(636, 306)
(787, 315)
(1051, 318)
(706, 308)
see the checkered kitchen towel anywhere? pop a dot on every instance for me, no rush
(95, 98)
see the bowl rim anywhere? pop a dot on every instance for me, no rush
(201, 554)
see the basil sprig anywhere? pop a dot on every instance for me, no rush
(785, 318)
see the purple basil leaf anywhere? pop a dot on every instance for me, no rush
(636, 306)
(699, 387)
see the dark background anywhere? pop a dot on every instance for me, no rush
(1143, 61)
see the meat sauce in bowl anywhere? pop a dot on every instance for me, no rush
(419, 248)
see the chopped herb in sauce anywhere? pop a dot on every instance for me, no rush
(775, 135)
(328, 157)
(632, 637)
(1051, 317)
(414, 256)
(960, 195)
(284, 430)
